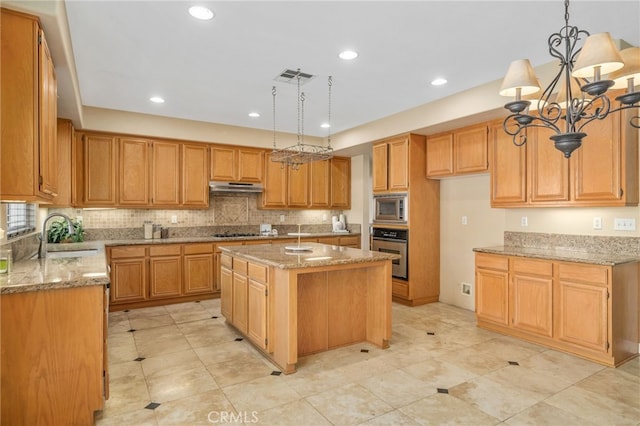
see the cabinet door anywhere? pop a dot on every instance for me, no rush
(198, 273)
(226, 293)
(531, 303)
(399, 164)
(48, 120)
(470, 150)
(250, 163)
(298, 193)
(223, 163)
(492, 301)
(134, 172)
(100, 159)
(275, 184)
(340, 183)
(548, 169)
(195, 185)
(319, 183)
(508, 169)
(165, 174)
(380, 169)
(440, 155)
(257, 313)
(65, 138)
(240, 289)
(582, 306)
(597, 163)
(128, 280)
(165, 277)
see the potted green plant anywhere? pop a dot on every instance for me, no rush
(59, 232)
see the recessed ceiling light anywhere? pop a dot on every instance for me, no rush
(156, 100)
(254, 115)
(439, 81)
(348, 55)
(325, 125)
(201, 12)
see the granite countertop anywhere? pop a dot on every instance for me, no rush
(606, 259)
(212, 239)
(279, 256)
(58, 272)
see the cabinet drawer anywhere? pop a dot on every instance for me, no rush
(226, 261)
(492, 261)
(240, 266)
(200, 248)
(400, 289)
(582, 272)
(126, 252)
(529, 266)
(352, 241)
(165, 250)
(258, 272)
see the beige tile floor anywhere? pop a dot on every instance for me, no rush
(200, 375)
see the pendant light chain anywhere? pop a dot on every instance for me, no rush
(273, 93)
(330, 83)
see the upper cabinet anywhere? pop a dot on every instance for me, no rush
(236, 164)
(602, 172)
(317, 185)
(459, 152)
(29, 161)
(391, 165)
(65, 133)
(134, 172)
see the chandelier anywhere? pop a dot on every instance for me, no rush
(582, 90)
(301, 153)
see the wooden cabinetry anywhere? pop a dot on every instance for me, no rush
(195, 186)
(133, 172)
(29, 162)
(53, 358)
(584, 309)
(317, 185)
(239, 296)
(65, 134)
(165, 174)
(399, 165)
(99, 169)
(459, 152)
(158, 274)
(602, 172)
(226, 286)
(391, 164)
(236, 164)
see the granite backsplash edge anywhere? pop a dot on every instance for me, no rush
(579, 243)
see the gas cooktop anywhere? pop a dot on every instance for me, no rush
(236, 234)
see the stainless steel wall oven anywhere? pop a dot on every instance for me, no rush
(394, 241)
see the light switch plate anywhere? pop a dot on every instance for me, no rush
(597, 223)
(624, 224)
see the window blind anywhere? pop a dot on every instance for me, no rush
(21, 218)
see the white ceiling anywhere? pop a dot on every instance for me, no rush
(220, 70)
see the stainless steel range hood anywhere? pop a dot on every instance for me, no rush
(217, 187)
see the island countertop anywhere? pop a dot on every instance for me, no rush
(290, 256)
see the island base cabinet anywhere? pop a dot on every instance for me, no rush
(53, 364)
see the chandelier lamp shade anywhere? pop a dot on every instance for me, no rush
(301, 153)
(577, 95)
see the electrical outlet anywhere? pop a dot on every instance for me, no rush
(624, 224)
(524, 221)
(464, 220)
(174, 219)
(465, 288)
(597, 223)
(281, 218)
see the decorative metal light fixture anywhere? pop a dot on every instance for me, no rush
(581, 68)
(301, 153)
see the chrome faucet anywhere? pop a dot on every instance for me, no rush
(42, 249)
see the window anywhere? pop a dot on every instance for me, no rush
(21, 218)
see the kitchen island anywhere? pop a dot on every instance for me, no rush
(291, 300)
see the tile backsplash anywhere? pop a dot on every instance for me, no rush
(224, 210)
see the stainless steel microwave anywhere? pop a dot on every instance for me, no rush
(391, 208)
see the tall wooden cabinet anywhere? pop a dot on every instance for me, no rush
(399, 165)
(65, 135)
(602, 172)
(29, 160)
(165, 174)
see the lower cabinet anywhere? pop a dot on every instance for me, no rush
(158, 274)
(245, 298)
(53, 358)
(583, 309)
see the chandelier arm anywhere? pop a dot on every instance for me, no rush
(600, 113)
(534, 121)
(634, 121)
